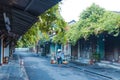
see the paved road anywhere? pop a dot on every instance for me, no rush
(39, 68)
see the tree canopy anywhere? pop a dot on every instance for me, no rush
(93, 21)
(30, 38)
(49, 22)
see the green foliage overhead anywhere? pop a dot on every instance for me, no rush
(110, 22)
(60, 38)
(49, 22)
(50, 19)
(92, 13)
(93, 21)
(73, 33)
(30, 38)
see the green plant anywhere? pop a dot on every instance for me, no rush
(96, 56)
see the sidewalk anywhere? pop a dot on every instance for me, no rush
(108, 70)
(12, 70)
(109, 64)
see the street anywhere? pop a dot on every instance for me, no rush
(39, 68)
(59, 40)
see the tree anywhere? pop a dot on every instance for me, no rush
(94, 21)
(93, 13)
(85, 26)
(50, 21)
(30, 38)
(110, 22)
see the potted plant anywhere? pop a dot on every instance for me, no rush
(96, 57)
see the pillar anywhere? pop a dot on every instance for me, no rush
(78, 49)
(100, 46)
(1, 51)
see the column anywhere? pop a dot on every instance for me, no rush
(1, 51)
(78, 49)
(100, 46)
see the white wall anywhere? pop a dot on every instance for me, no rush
(6, 51)
(21, 49)
(69, 49)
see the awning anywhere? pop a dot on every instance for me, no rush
(22, 13)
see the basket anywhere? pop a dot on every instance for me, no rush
(53, 62)
(65, 62)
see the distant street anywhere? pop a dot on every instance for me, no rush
(39, 68)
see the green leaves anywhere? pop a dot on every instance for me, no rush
(50, 21)
(30, 38)
(110, 22)
(93, 13)
(93, 21)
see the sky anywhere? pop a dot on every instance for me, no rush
(71, 9)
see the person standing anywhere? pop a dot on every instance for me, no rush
(58, 56)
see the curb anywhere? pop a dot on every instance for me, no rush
(99, 74)
(83, 69)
